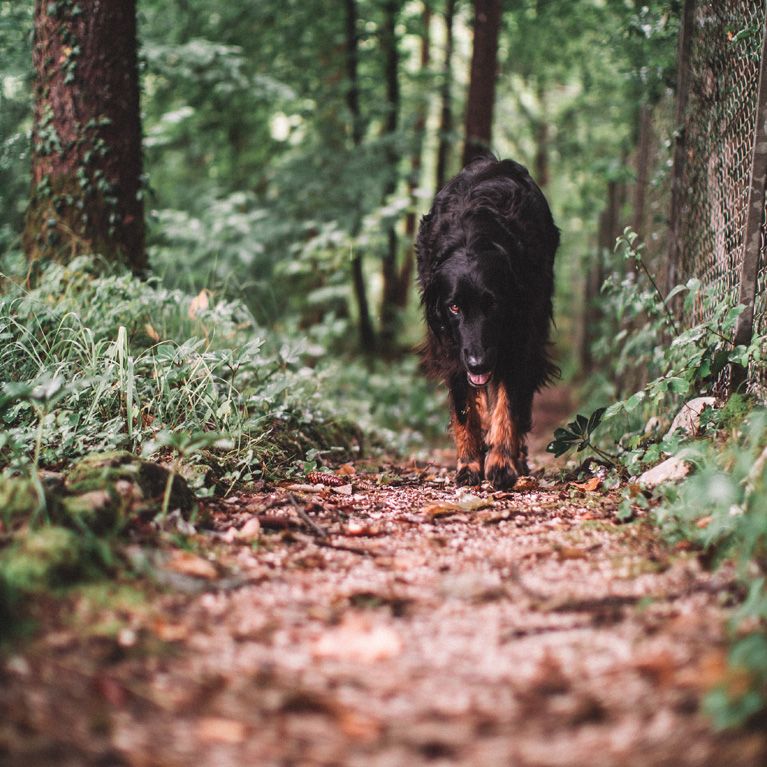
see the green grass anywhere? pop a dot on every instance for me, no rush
(104, 375)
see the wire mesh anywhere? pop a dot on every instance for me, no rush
(718, 135)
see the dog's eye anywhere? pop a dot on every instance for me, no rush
(454, 309)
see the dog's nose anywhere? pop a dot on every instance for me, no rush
(475, 364)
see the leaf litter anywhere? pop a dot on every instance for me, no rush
(402, 624)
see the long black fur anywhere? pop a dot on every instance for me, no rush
(491, 225)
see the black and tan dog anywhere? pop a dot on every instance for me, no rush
(486, 271)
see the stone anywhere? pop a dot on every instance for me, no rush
(688, 418)
(671, 470)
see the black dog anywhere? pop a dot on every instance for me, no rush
(486, 271)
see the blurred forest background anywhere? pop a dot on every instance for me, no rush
(288, 146)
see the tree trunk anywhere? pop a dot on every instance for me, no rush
(389, 308)
(644, 146)
(367, 335)
(609, 229)
(414, 180)
(484, 65)
(542, 138)
(86, 140)
(446, 99)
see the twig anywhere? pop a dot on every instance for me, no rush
(351, 549)
(306, 519)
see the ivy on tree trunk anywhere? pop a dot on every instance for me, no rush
(86, 193)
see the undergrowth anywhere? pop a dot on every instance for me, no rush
(100, 366)
(651, 366)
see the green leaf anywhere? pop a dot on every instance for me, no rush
(678, 385)
(633, 402)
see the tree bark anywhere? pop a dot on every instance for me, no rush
(542, 138)
(87, 169)
(389, 46)
(609, 229)
(484, 65)
(366, 332)
(414, 179)
(644, 146)
(446, 99)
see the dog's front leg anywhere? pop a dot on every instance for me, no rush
(466, 421)
(503, 439)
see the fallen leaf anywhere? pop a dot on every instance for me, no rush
(343, 490)
(356, 639)
(660, 667)
(169, 632)
(346, 470)
(250, 531)
(467, 503)
(525, 484)
(186, 563)
(590, 485)
(151, 332)
(571, 552)
(704, 522)
(111, 690)
(299, 488)
(355, 528)
(358, 726)
(198, 304)
(215, 729)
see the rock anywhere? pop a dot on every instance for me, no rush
(652, 425)
(671, 470)
(688, 418)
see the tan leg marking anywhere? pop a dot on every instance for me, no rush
(502, 440)
(468, 442)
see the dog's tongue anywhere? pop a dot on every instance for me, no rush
(479, 380)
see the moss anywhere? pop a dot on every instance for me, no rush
(56, 229)
(48, 557)
(103, 471)
(19, 497)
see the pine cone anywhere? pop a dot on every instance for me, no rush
(325, 478)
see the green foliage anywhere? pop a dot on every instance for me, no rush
(107, 362)
(577, 434)
(722, 508)
(639, 342)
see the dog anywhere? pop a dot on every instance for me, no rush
(485, 256)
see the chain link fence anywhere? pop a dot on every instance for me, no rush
(718, 136)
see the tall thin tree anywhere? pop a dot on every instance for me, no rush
(367, 334)
(86, 139)
(445, 142)
(390, 50)
(414, 178)
(484, 64)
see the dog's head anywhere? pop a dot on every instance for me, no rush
(467, 305)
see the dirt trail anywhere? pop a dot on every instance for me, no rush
(391, 628)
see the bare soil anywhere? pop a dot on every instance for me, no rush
(402, 624)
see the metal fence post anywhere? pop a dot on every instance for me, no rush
(754, 220)
(680, 148)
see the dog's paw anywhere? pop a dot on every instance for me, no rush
(522, 467)
(502, 476)
(469, 474)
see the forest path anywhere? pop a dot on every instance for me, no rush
(402, 624)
